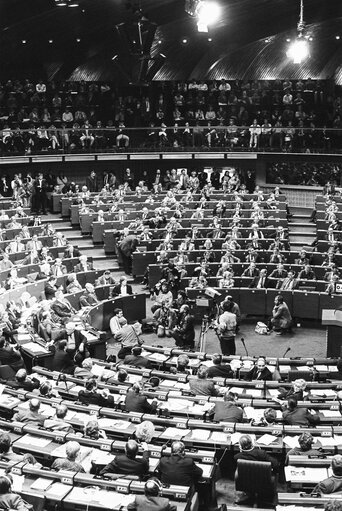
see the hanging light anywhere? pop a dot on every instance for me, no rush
(299, 50)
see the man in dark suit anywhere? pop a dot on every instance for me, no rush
(88, 298)
(260, 282)
(71, 251)
(62, 307)
(295, 416)
(136, 359)
(333, 483)
(279, 273)
(135, 402)
(126, 247)
(10, 355)
(62, 360)
(92, 182)
(259, 371)
(178, 468)
(307, 273)
(227, 410)
(50, 288)
(39, 197)
(200, 386)
(75, 340)
(151, 500)
(219, 370)
(128, 463)
(22, 381)
(83, 265)
(251, 271)
(122, 289)
(31, 415)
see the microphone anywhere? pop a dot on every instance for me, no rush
(244, 345)
(62, 377)
(286, 352)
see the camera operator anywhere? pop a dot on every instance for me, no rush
(184, 332)
(165, 318)
(226, 330)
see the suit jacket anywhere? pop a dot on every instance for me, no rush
(11, 357)
(31, 245)
(62, 268)
(249, 273)
(299, 417)
(117, 290)
(63, 310)
(88, 299)
(49, 291)
(265, 374)
(29, 417)
(257, 454)
(13, 501)
(276, 274)
(255, 281)
(180, 470)
(68, 254)
(15, 247)
(204, 387)
(220, 371)
(95, 398)
(138, 403)
(78, 336)
(332, 484)
(148, 503)
(128, 245)
(121, 464)
(137, 361)
(62, 362)
(79, 268)
(227, 411)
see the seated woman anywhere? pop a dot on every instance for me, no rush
(9, 499)
(92, 430)
(227, 281)
(306, 440)
(72, 284)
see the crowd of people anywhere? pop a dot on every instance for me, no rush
(286, 115)
(304, 173)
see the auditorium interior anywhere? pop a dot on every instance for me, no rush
(170, 272)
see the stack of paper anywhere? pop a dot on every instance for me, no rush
(41, 484)
(200, 434)
(218, 437)
(331, 413)
(35, 441)
(266, 439)
(291, 441)
(175, 433)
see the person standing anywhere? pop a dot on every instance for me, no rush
(39, 199)
(126, 247)
(226, 330)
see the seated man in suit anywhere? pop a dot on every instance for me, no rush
(288, 283)
(218, 369)
(23, 381)
(32, 415)
(10, 355)
(74, 338)
(69, 463)
(136, 359)
(178, 468)
(50, 288)
(128, 463)
(295, 416)
(333, 483)
(122, 289)
(83, 264)
(279, 273)
(136, 402)
(71, 251)
(200, 386)
(88, 298)
(58, 423)
(106, 279)
(62, 360)
(15, 246)
(34, 244)
(227, 410)
(307, 273)
(62, 307)
(31, 258)
(151, 500)
(259, 371)
(261, 281)
(58, 269)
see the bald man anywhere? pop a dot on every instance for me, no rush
(128, 463)
(32, 415)
(178, 468)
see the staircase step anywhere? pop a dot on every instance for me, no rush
(300, 210)
(298, 219)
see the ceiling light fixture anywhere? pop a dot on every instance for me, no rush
(24, 41)
(299, 49)
(207, 12)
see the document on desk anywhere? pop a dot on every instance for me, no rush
(323, 392)
(158, 357)
(176, 405)
(59, 452)
(330, 413)
(112, 500)
(41, 484)
(254, 392)
(18, 481)
(327, 441)
(253, 413)
(6, 400)
(237, 390)
(35, 348)
(183, 386)
(218, 437)
(98, 370)
(35, 441)
(175, 433)
(267, 439)
(207, 469)
(104, 422)
(321, 368)
(273, 392)
(305, 474)
(200, 434)
(291, 441)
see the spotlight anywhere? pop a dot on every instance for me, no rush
(207, 14)
(73, 4)
(338, 37)
(78, 40)
(115, 57)
(267, 40)
(159, 42)
(298, 51)
(288, 40)
(184, 41)
(60, 4)
(209, 39)
(24, 41)
(50, 41)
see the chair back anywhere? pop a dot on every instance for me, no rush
(254, 477)
(296, 374)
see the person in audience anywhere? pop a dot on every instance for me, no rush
(106, 279)
(85, 370)
(58, 422)
(261, 281)
(92, 430)
(182, 365)
(76, 342)
(32, 415)
(296, 391)
(71, 251)
(122, 289)
(179, 468)
(128, 463)
(218, 369)
(136, 402)
(50, 288)
(58, 269)
(333, 483)
(23, 381)
(83, 265)
(298, 416)
(288, 283)
(6, 451)
(201, 386)
(184, 331)
(305, 441)
(307, 274)
(226, 329)
(281, 320)
(5, 263)
(151, 499)
(62, 307)
(90, 395)
(62, 360)
(10, 355)
(72, 284)
(227, 410)
(72, 450)
(89, 298)
(9, 499)
(260, 371)
(136, 359)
